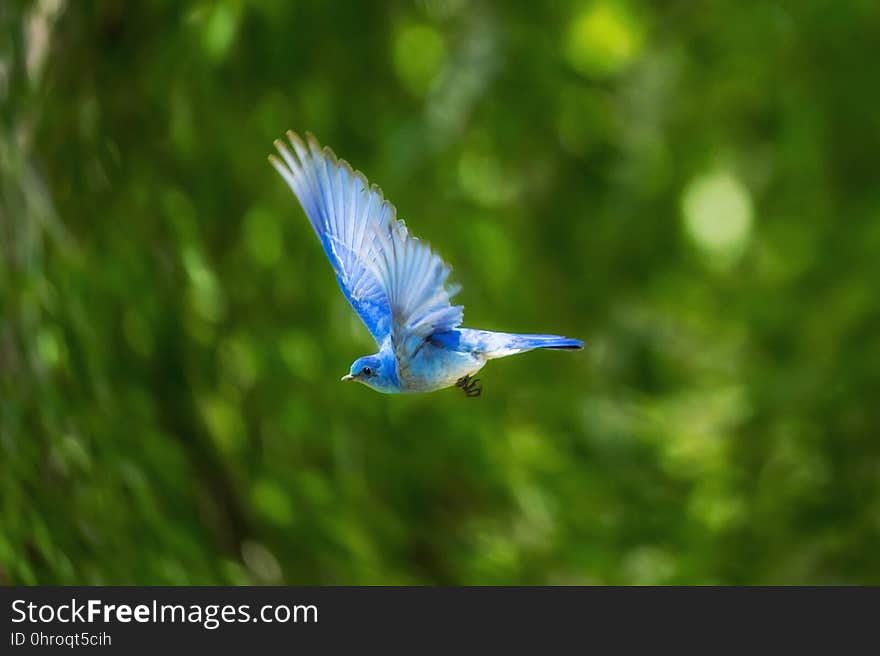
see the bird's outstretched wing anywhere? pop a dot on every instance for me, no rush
(395, 283)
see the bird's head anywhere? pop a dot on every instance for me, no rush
(373, 371)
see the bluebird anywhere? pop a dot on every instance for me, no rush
(396, 284)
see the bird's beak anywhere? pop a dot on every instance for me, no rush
(347, 377)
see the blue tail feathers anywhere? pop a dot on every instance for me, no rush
(490, 344)
(526, 342)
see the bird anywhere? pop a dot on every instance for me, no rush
(396, 283)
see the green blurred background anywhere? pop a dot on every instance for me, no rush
(692, 188)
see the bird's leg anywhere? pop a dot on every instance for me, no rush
(472, 387)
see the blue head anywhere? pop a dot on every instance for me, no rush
(375, 371)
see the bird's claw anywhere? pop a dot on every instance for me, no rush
(472, 387)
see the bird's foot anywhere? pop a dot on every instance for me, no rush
(472, 387)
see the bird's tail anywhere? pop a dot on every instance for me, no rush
(500, 345)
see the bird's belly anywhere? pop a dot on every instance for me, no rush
(435, 368)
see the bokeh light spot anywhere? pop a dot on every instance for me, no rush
(206, 296)
(419, 55)
(717, 214)
(261, 562)
(224, 423)
(219, 26)
(271, 502)
(51, 347)
(238, 361)
(482, 179)
(603, 39)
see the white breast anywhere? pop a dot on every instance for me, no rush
(434, 368)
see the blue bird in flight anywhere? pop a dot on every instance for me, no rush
(395, 282)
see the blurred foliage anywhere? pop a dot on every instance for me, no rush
(692, 188)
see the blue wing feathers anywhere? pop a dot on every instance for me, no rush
(396, 284)
(332, 196)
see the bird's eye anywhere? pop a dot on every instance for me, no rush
(366, 371)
